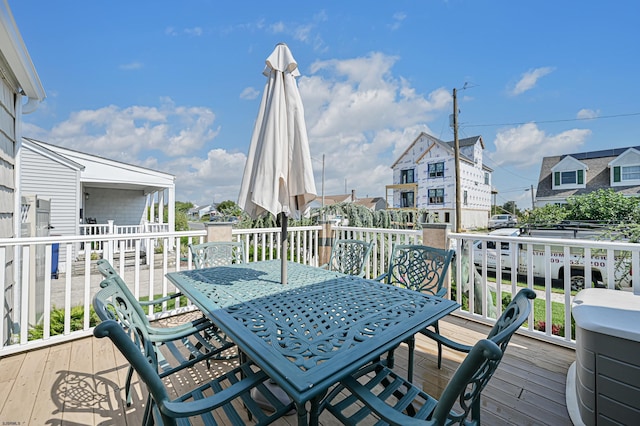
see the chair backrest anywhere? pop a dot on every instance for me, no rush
(466, 385)
(217, 253)
(113, 278)
(112, 303)
(140, 355)
(417, 267)
(512, 318)
(350, 256)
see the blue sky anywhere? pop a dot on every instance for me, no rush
(176, 86)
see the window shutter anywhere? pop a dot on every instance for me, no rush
(580, 177)
(556, 178)
(616, 174)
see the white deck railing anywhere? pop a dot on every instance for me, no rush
(543, 264)
(33, 296)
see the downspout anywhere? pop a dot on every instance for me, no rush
(31, 105)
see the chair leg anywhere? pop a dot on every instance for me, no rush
(127, 386)
(437, 329)
(411, 343)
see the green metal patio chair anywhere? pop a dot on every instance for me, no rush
(220, 397)
(376, 392)
(512, 318)
(419, 268)
(217, 253)
(349, 256)
(178, 347)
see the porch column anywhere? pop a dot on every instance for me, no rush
(171, 205)
(325, 237)
(161, 206)
(437, 235)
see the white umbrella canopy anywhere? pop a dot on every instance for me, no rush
(278, 176)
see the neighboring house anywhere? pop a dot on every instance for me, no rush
(424, 178)
(20, 93)
(372, 203)
(86, 190)
(576, 174)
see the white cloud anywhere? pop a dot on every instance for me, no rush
(127, 133)
(525, 145)
(131, 66)
(529, 80)
(249, 93)
(398, 18)
(362, 118)
(195, 31)
(585, 114)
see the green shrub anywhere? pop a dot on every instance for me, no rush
(57, 322)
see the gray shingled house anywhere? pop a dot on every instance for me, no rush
(576, 174)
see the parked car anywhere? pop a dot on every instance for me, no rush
(502, 221)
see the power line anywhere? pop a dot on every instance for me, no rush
(553, 121)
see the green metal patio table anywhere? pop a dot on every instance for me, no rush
(310, 333)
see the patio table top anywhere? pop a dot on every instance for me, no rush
(313, 331)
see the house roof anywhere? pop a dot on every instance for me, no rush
(15, 53)
(102, 172)
(334, 199)
(369, 202)
(598, 176)
(470, 141)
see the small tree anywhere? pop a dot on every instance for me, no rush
(229, 208)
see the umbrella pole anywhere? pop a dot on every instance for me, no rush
(284, 247)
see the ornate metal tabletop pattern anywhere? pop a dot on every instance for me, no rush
(313, 330)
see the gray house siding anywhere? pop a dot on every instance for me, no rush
(59, 184)
(7, 196)
(7, 159)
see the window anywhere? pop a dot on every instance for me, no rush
(436, 169)
(572, 177)
(631, 173)
(406, 176)
(407, 199)
(486, 178)
(465, 198)
(568, 178)
(436, 196)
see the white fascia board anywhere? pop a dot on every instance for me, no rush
(41, 150)
(17, 56)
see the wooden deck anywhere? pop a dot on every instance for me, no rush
(81, 383)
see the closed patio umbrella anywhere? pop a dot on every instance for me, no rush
(278, 176)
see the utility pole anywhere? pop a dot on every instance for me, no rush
(456, 149)
(533, 202)
(324, 215)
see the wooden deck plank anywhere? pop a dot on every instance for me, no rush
(527, 388)
(22, 400)
(9, 368)
(56, 366)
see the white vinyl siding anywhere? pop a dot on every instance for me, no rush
(46, 178)
(7, 195)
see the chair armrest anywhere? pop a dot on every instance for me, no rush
(160, 300)
(386, 413)
(165, 334)
(180, 409)
(442, 292)
(446, 342)
(381, 277)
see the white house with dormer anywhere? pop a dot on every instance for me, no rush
(567, 175)
(424, 178)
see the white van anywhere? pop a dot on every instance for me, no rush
(556, 261)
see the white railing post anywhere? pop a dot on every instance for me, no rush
(109, 249)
